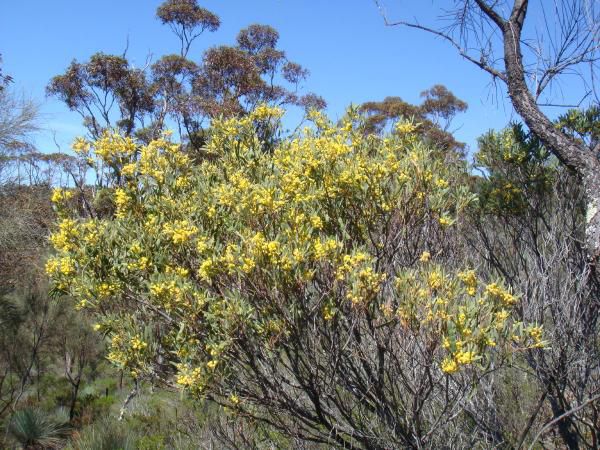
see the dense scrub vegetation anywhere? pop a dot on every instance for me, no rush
(231, 284)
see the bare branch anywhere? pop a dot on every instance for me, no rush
(491, 13)
(561, 417)
(481, 63)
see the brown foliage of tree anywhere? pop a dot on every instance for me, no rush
(93, 88)
(187, 20)
(229, 80)
(434, 115)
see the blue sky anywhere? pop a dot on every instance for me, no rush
(351, 55)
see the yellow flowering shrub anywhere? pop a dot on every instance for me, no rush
(468, 316)
(257, 263)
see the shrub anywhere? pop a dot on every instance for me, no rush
(313, 287)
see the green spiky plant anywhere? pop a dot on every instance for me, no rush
(35, 429)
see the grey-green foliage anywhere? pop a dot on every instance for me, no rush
(10, 314)
(529, 227)
(32, 428)
(105, 435)
(18, 120)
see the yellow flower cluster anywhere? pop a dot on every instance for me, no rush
(469, 318)
(188, 377)
(535, 333)
(366, 285)
(60, 195)
(264, 247)
(233, 246)
(180, 232)
(469, 278)
(167, 293)
(127, 351)
(142, 263)
(405, 127)
(81, 146)
(111, 146)
(351, 262)
(263, 111)
(122, 200)
(65, 238)
(137, 344)
(206, 269)
(324, 248)
(64, 266)
(497, 292)
(105, 290)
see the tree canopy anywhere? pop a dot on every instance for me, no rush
(434, 115)
(180, 93)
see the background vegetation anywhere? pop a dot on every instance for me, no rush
(233, 284)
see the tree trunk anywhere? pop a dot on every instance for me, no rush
(573, 155)
(74, 394)
(566, 427)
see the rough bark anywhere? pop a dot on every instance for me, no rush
(575, 156)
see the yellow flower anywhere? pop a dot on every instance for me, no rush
(425, 256)
(81, 146)
(536, 334)
(264, 111)
(212, 364)
(248, 264)
(143, 263)
(187, 377)
(105, 290)
(180, 271)
(441, 183)
(435, 279)
(272, 248)
(445, 221)
(128, 169)
(181, 231)
(316, 222)
(446, 343)
(322, 249)
(60, 195)
(509, 299)
(298, 255)
(121, 200)
(449, 365)
(182, 182)
(201, 244)
(469, 278)
(63, 266)
(138, 344)
(405, 127)
(206, 269)
(51, 266)
(502, 315)
(465, 357)
(328, 313)
(497, 292)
